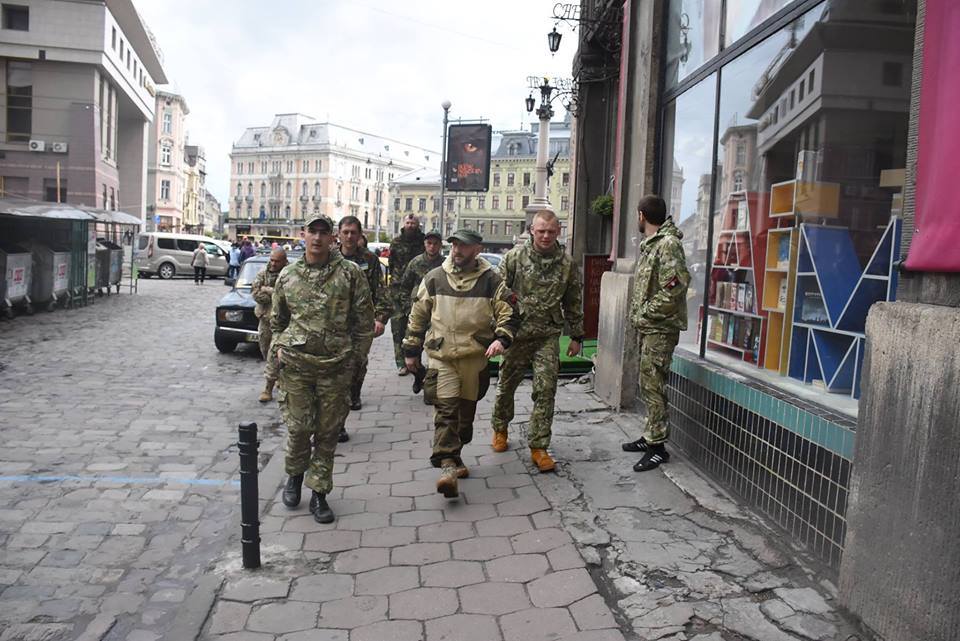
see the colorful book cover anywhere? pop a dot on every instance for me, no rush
(748, 300)
(783, 251)
(741, 297)
(732, 301)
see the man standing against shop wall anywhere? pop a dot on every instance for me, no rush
(549, 292)
(658, 311)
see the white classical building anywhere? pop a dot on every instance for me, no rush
(297, 166)
(78, 97)
(166, 162)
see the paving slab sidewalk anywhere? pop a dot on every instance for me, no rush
(592, 553)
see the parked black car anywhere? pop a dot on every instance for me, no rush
(235, 321)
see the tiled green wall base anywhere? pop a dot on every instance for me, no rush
(788, 458)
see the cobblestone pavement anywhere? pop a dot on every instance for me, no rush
(118, 424)
(593, 553)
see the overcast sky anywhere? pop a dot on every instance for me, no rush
(380, 66)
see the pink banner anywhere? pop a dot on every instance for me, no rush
(936, 239)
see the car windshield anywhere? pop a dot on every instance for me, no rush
(248, 272)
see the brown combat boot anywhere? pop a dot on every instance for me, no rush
(499, 442)
(462, 472)
(447, 483)
(542, 460)
(267, 394)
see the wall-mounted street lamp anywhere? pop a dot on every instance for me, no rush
(553, 40)
(531, 103)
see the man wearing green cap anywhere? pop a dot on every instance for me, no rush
(462, 315)
(322, 316)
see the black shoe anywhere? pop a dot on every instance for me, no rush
(639, 445)
(291, 493)
(343, 437)
(656, 454)
(427, 401)
(321, 511)
(355, 403)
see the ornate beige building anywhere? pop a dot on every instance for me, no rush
(297, 166)
(497, 214)
(166, 180)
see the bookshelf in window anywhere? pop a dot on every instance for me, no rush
(734, 315)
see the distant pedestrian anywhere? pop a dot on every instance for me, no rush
(234, 267)
(199, 262)
(659, 314)
(362, 242)
(246, 251)
(262, 291)
(403, 249)
(463, 315)
(287, 246)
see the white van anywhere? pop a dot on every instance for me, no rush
(166, 254)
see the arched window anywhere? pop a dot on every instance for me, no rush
(303, 188)
(263, 190)
(239, 189)
(289, 190)
(250, 189)
(316, 190)
(366, 196)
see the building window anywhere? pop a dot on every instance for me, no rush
(50, 192)
(738, 180)
(316, 189)
(104, 195)
(16, 17)
(565, 178)
(289, 191)
(316, 166)
(165, 154)
(408, 204)
(167, 122)
(496, 203)
(526, 201)
(239, 189)
(19, 101)
(289, 166)
(810, 81)
(800, 93)
(741, 154)
(396, 204)
(366, 195)
(164, 190)
(494, 228)
(510, 202)
(113, 199)
(239, 167)
(510, 178)
(435, 204)
(481, 202)
(481, 226)
(113, 45)
(250, 190)
(467, 202)
(450, 204)
(421, 204)
(496, 180)
(249, 167)
(508, 228)
(466, 224)
(305, 165)
(564, 203)
(526, 179)
(263, 190)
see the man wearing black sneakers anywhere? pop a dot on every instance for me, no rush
(658, 311)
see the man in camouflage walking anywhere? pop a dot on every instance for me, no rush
(462, 316)
(350, 230)
(262, 291)
(403, 249)
(658, 311)
(322, 316)
(549, 291)
(431, 258)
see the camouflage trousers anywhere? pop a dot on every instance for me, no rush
(459, 385)
(398, 327)
(269, 355)
(656, 354)
(314, 403)
(359, 372)
(543, 355)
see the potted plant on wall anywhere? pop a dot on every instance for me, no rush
(602, 205)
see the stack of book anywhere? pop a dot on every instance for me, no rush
(736, 297)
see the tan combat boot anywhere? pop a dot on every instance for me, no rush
(462, 472)
(267, 394)
(499, 442)
(542, 460)
(447, 483)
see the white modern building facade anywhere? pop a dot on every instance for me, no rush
(78, 80)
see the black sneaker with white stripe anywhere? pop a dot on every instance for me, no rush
(656, 454)
(639, 445)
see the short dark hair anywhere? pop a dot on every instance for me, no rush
(350, 220)
(653, 208)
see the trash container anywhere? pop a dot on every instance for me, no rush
(16, 265)
(51, 275)
(103, 268)
(116, 264)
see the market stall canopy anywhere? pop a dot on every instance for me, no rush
(38, 209)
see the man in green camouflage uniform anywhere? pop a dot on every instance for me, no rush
(549, 291)
(262, 291)
(349, 231)
(462, 316)
(403, 249)
(658, 311)
(322, 315)
(431, 258)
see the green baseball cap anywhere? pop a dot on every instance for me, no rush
(466, 236)
(320, 218)
(433, 233)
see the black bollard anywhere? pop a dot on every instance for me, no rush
(249, 504)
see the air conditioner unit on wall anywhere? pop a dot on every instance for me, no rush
(59, 147)
(38, 145)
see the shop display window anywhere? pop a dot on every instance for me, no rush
(693, 36)
(804, 229)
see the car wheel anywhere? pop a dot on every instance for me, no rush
(166, 271)
(224, 342)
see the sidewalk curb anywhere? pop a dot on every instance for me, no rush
(192, 617)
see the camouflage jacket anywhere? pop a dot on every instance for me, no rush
(412, 276)
(322, 311)
(659, 304)
(262, 291)
(403, 249)
(459, 313)
(369, 264)
(549, 291)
